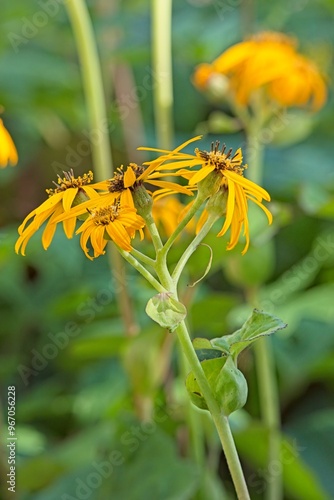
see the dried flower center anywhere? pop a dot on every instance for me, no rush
(221, 160)
(69, 181)
(105, 215)
(116, 184)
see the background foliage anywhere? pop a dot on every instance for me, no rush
(83, 386)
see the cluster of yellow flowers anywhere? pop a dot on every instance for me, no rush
(268, 65)
(110, 208)
(267, 61)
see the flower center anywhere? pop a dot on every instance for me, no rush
(116, 184)
(105, 215)
(69, 181)
(221, 160)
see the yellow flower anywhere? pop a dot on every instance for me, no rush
(68, 190)
(123, 185)
(268, 61)
(229, 169)
(8, 152)
(116, 222)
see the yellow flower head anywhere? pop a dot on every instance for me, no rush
(122, 187)
(268, 61)
(68, 191)
(8, 152)
(228, 169)
(112, 222)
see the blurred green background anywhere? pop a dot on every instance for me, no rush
(103, 414)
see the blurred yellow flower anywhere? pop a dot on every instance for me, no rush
(112, 222)
(8, 152)
(237, 188)
(267, 61)
(68, 190)
(167, 213)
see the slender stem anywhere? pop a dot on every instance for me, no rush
(116, 265)
(92, 79)
(141, 269)
(265, 363)
(96, 105)
(162, 68)
(190, 214)
(153, 232)
(270, 410)
(144, 258)
(221, 422)
(192, 247)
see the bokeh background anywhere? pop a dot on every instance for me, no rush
(91, 393)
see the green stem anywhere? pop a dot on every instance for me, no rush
(190, 214)
(153, 232)
(220, 421)
(265, 363)
(142, 270)
(144, 258)
(192, 247)
(92, 79)
(162, 68)
(270, 410)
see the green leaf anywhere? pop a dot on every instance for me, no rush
(166, 311)
(259, 324)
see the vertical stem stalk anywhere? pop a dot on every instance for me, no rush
(93, 85)
(220, 421)
(265, 363)
(162, 70)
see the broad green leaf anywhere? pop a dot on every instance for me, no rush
(258, 325)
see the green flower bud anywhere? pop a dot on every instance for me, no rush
(209, 185)
(142, 200)
(217, 203)
(166, 311)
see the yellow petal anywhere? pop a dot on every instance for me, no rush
(129, 177)
(68, 198)
(201, 174)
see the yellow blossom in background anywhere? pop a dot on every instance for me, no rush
(267, 61)
(8, 152)
(167, 213)
(230, 170)
(114, 222)
(67, 191)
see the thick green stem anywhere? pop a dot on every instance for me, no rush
(162, 68)
(221, 422)
(92, 79)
